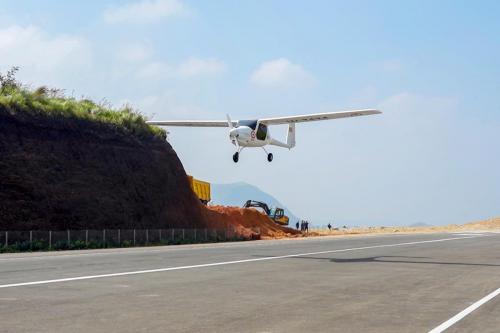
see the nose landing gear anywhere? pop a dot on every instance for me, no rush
(236, 156)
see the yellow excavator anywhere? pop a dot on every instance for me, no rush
(275, 214)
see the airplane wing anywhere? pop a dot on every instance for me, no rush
(192, 123)
(268, 121)
(318, 116)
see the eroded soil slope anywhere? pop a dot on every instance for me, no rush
(77, 174)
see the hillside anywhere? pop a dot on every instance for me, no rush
(68, 164)
(236, 194)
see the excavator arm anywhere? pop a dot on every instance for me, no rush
(257, 204)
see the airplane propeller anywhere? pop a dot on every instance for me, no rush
(232, 134)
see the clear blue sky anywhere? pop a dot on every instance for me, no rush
(433, 67)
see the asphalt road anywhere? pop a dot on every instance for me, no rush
(388, 283)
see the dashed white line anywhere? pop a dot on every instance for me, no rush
(452, 321)
(166, 269)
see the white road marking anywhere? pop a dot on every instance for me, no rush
(167, 269)
(450, 322)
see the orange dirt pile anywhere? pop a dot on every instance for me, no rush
(247, 222)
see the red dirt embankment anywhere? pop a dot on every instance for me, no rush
(247, 222)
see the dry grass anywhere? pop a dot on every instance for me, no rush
(490, 224)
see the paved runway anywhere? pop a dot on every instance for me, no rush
(386, 283)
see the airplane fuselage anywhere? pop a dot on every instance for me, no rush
(245, 136)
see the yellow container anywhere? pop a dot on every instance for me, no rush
(201, 189)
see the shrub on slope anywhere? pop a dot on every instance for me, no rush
(17, 99)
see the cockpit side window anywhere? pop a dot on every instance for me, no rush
(262, 132)
(250, 123)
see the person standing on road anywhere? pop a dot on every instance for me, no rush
(306, 226)
(297, 225)
(329, 227)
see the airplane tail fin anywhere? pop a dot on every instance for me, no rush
(290, 138)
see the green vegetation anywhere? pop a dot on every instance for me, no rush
(18, 99)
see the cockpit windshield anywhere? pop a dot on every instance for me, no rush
(250, 123)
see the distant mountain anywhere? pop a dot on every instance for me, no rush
(236, 194)
(420, 225)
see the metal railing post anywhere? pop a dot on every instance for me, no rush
(183, 234)
(134, 237)
(147, 236)
(173, 234)
(31, 239)
(195, 234)
(206, 234)
(103, 237)
(50, 239)
(159, 232)
(69, 238)
(119, 238)
(86, 237)
(6, 238)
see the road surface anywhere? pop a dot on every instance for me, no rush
(384, 283)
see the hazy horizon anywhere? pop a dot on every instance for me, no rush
(432, 157)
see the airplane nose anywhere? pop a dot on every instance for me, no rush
(233, 135)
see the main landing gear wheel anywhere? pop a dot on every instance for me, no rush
(236, 157)
(270, 157)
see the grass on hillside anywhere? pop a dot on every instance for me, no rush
(16, 98)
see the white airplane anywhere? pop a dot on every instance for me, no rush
(255, 133)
